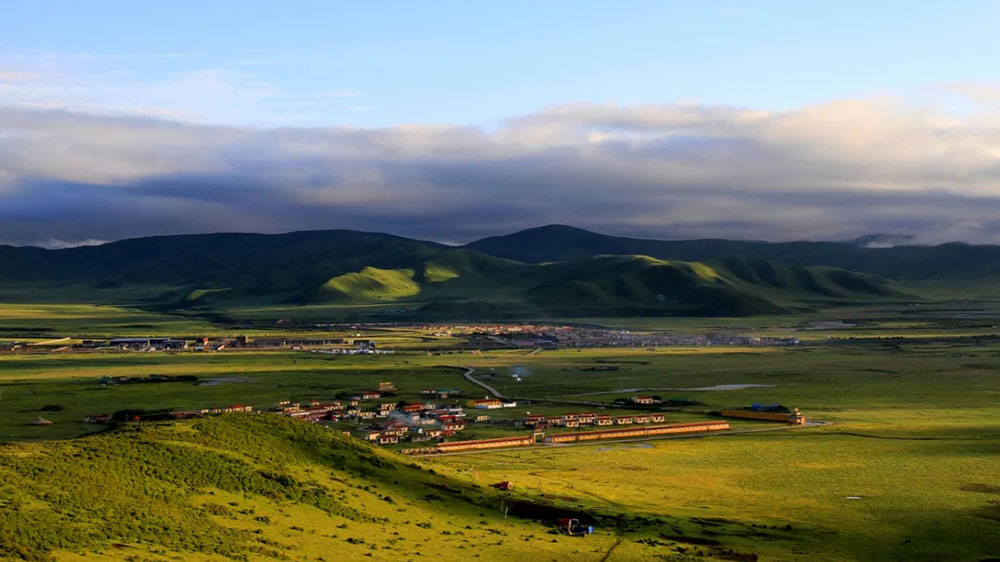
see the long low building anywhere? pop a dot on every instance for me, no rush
(446, 447)
(794, 417)
(450, 446)
(486, 443)
(637, 431)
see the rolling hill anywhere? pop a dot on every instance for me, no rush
(560, 243)
(263, 487)
(546, 272)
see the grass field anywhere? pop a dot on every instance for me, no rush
(909, 470)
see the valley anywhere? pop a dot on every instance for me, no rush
(198, 414)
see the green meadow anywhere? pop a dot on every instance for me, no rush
(908, 470)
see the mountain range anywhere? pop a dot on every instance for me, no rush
(550, 271)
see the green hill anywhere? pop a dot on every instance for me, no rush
(372, 283)
(560, 243)
(210, 274)
(261, 488)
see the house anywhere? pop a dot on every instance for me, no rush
(368, 434)
(482, 418)
(485, 404)
(657, 418)
(571, 423)
(449, 411)
(414, 408)
(587, 418)
(137, 344)
(603, 419)
(97, 418)
(448, 392)
(387, 439)
(455, 425)
(624, 420)
(386, 386)
(311, 414)
(645, 400)
(641, 419)
(534, 419)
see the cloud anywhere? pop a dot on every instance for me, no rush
(83, 55)
(832, 171)
(16, 76)
(232, 94)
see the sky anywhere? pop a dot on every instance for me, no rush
(456, 120)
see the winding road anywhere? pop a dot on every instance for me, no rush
(468, 376)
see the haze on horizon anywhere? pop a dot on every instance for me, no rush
(449, 121)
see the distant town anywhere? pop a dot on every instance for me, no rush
(455, 337)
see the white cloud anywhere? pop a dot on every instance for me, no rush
(830, 171)
(16, 76)
(223, 94)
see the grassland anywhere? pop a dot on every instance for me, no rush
(916, 440)
(259, 488)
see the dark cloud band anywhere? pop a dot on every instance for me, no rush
(827, 172)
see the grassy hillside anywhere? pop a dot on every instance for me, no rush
(372, 283)
(560, 243)
(261, 487)
(208, 275)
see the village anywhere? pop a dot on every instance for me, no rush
(444, 337)
(372, 416)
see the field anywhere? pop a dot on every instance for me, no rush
(908, 470)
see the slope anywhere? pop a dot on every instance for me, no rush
(210, 274)
(262, 487)
(560, 243)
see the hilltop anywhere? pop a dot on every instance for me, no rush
(553, 271)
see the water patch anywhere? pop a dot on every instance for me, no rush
(728, 387)
(221, 380)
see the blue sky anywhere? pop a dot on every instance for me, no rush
(454, 120)
(386, 63)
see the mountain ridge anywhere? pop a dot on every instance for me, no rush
(561, 242)
(552, 271)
